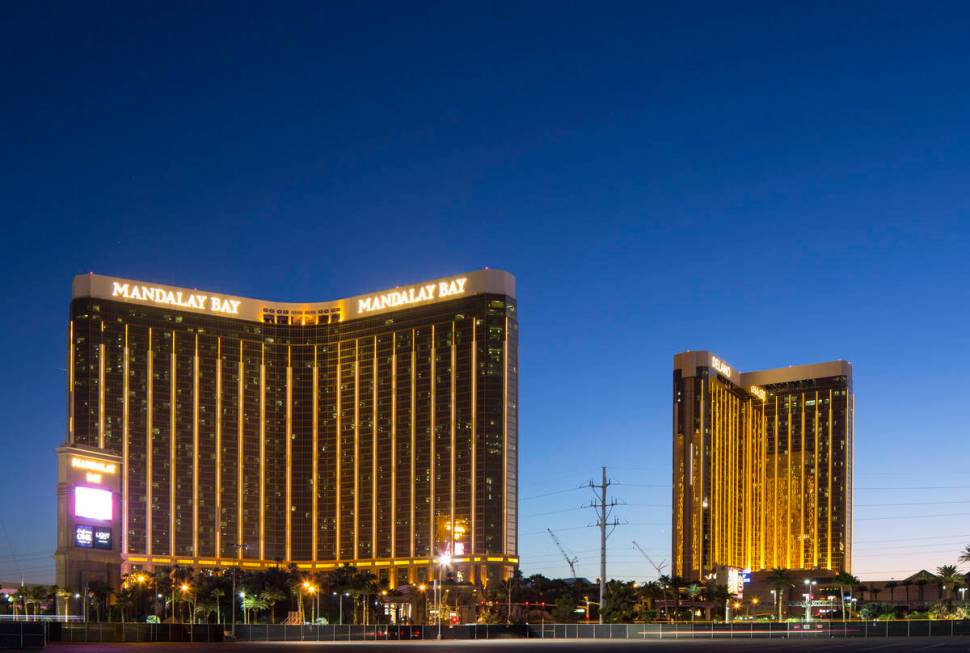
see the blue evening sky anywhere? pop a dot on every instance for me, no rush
(779, 182)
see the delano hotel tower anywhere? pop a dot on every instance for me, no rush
(216, 431)
(762, 467)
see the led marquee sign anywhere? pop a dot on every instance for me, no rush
(92, 503)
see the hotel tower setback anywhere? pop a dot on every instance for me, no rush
(214, 431)
(762, 467)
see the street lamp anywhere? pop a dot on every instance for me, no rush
(185, 588)
(809, 585)
(443, 561)
(774, 600)
(242, 606)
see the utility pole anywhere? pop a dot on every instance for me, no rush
(604, 509)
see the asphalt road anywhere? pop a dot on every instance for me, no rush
(871, 645)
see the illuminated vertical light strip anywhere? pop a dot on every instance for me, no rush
(698, 524)
(815, 517)
(394, 449)
(788, 513)
(262, 451)
(829, 461)
(101, 390)
(801, 479)
(241, 451)
(474, 449)
(171, 449)
(850, 450)
(505, 440)
(289, 452)
(452, 457)
(746, 475)
(434, 437)
(148, 448)
(356, 449)
(195, 449)
(338, 486)
(414, 432)
(124, 450)
(70, 381)
(218, 469)
(373, 458)
(764, 485)
(714, 504)
(777, 501)
(314, 484)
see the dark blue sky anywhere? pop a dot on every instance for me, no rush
(779, 182)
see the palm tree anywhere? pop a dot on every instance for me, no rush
(665, 583)
(891, 586)
(965, 555)
(950, 578)
(920, 584)
(217, 595)
(907, 584)
(780, 579)
(845, 581)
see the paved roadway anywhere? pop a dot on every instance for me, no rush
(871, 645)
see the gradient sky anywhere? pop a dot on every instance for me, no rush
(781, 183)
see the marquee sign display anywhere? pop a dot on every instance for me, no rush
(92, 503)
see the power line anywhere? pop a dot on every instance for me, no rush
(949, 514)
(553, 493)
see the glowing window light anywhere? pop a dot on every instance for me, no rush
(92, 503)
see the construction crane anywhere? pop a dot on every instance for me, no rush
(659, 568)
(569, 561)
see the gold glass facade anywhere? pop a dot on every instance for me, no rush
(762, 467)
(375, 431)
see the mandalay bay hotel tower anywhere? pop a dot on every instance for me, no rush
(762, 467)
(211, 431)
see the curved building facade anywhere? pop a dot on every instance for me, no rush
(212, 430)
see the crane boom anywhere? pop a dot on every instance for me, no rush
(569, 561)
(659, 568)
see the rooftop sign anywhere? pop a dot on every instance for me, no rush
(156, 295)
(412, 295)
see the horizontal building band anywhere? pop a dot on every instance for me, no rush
(357, 438)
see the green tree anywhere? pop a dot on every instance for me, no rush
(621, 602)
(564, 609)
(719, 596)
(845, 582)
(950, 578)
(99, 591)
(781, 581)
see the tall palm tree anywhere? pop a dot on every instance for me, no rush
(965, 555)
(780, 579)
(666, 584)
(907, 584)
(845, 581)
(949, 578)
(891, 586)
